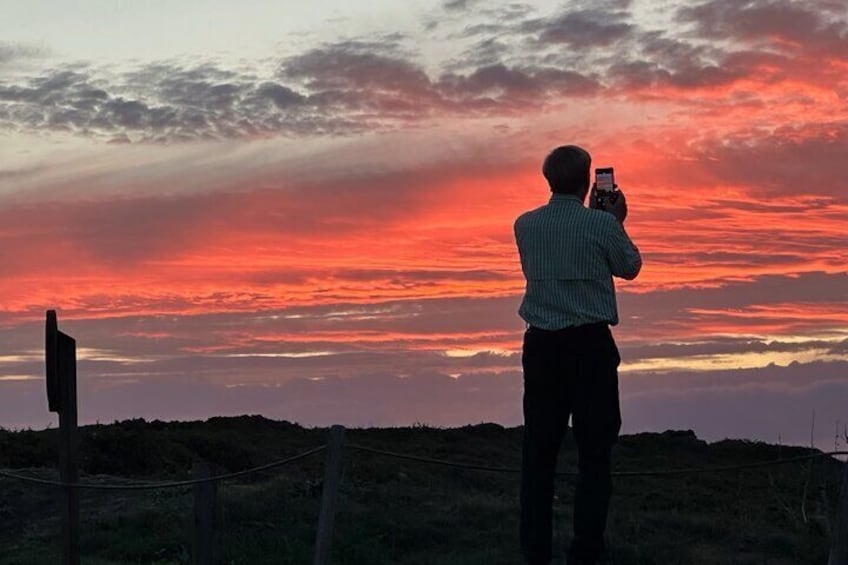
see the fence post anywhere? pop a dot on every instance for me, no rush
(203, 542)
(839, 543)
(68, 453)
(330, 489)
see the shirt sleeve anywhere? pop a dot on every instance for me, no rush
(518, 225)
(622, 253)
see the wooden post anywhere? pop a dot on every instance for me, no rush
(60, 353)
(839, 532)
(330, 489)
(203, 543)
(69, 449)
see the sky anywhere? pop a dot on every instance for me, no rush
(304, 210)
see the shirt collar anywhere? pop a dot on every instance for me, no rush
(560, 197)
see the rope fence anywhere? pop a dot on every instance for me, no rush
(686, 471)
(163, 485)
(443, 462)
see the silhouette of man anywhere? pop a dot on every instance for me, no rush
(569, 254)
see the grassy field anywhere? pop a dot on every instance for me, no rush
(400, 512)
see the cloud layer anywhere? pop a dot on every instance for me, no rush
(746, 54)
(718, 406)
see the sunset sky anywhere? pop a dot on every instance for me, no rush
(305, 209)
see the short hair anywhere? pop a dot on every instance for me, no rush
(567, 169)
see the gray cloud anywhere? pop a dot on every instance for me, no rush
(654, 59)
(163, 102)
(500, 86)
(14, 51)
(281, 96)
(581, 29)
(516, 61)
(396, 88)
(487, 51)
(458, 5)
(360, 80)
(339, 89)
(818, 25)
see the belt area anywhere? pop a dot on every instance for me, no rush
(584, 330)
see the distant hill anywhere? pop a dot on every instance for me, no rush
(402, 512)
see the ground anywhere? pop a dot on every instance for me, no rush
(399, 512)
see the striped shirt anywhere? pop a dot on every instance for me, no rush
(569, 254)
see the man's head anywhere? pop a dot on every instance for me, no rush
(567, 170)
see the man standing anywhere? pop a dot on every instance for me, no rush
(569, 254)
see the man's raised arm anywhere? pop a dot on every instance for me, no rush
(622, 253)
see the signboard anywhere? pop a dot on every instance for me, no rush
(51, 350)
(60, 355)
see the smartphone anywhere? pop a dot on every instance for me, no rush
(605, 180)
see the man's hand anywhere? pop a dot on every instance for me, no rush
(616, 204)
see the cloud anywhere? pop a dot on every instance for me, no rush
(497, 86)
(386, 363)
(653, 59)
(790, 155)
(581, 29)
(817, 26)
(757, 404)
(121, 231)
(393, 87)
(340, 89)
(249, 338)
(12, 52)
(671, 308)
(162, 102)
(20, 172)
(509, 61)
(458, 5)
(281, 96)
(348, 77)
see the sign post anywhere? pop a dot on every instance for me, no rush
(61, 361)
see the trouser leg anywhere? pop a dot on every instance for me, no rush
(545, 421)
(597, 421)
(537, 490)
(591, 503)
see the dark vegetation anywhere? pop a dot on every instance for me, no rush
(402, 512)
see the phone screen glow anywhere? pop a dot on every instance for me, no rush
(604, 182)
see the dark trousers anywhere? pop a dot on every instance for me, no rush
(570, 372)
